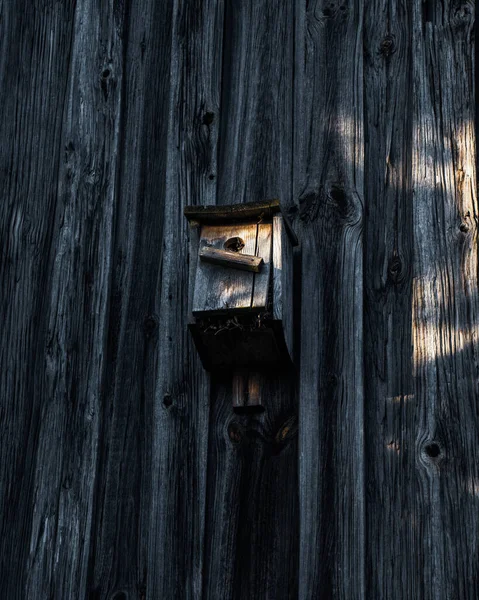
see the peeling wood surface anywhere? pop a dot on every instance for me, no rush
(124, 470)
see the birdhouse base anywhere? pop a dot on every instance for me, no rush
(240, 341)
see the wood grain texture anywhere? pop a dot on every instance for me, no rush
(35, 55)
(179, 421)
(220, 288)
(392, 549)
(74, 223)
(445, 300)
(264, 240)
(231, 260)
(124, 470)
(251, 527)
(120, 557)
(328, 177)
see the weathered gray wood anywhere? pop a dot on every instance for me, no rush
(180, 414)
(393, 553)
(445, 300)
(252, 496)
(329, 151)
(251, 526)
(221, 289)
(120, 557)
(262, 280)
(33, 87)
(71, 178)
(231, 260)
(122, 474)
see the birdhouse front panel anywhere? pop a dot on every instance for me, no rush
(225, 281)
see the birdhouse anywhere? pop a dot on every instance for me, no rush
(241, 285)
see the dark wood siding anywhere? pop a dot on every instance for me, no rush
(124, 471)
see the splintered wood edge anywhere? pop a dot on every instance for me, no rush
(239, 212)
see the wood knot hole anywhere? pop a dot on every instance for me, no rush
(234, 244)
(395, 268)
(433, 450)
(464, 227)
(208, 118)
(106, 73)
(340, 199)
(167, 400)
(387, 45)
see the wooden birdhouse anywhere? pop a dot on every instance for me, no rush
(241, 285)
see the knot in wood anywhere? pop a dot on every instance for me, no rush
(308, 206)
(463, 16)
(388, 45)
(433, 451)
(208, 118)
(395, 269)
(287, 430)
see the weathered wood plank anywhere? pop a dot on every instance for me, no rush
(68, 367)
(445, 305)
(252, 509)
(179, 418)
(119, 556)
(392, 551)
(35, 55)
(77, 312)
(251, 526)
(329, 180)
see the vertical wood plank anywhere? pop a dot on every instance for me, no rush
(76, 321)
(181, 406)
(35, 57)
(329, 180)
(74, 261)
(119, 554)
(393, 552)
(251, 527)
(445, 299)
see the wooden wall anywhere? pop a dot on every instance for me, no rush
(124, 472)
